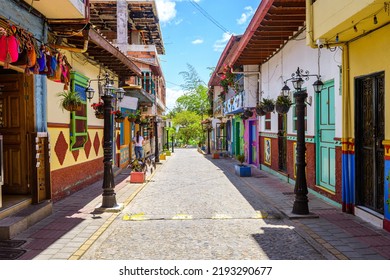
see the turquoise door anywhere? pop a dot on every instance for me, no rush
(326, 148)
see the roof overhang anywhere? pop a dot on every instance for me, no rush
(96, 47)
(144, 98)
(230, 48)
(143, 17)
(273, 24)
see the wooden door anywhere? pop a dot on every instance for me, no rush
(325, 144)
(16, 121)
(370, 132)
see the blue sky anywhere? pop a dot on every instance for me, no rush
(189, 37)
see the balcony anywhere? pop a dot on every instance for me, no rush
(235, 104)
(60, 9)
(341, 21)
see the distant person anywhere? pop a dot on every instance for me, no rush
(138, 141)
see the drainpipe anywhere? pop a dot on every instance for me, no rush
(309, 25)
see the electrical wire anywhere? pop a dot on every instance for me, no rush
(209, 17)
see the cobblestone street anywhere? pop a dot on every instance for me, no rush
(192, 210)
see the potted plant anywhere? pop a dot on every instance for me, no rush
(99, 109)
(119, 117)
(283, 104)
(132, 117)
(71, 100)
(268, 105)
(241, 169)
(138, 170)
(259, 111)
(248, 113)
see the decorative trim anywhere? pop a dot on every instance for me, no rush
(386, 144)
(348, 145)
(269, 135)
(64, 125)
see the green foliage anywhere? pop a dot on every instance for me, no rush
(70, 100)
(240, 158)
(190, 128)
(283, 100)
(267, 102)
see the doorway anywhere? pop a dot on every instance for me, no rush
(369, 134)
(252, 142)
(325, 144)
(16, 127)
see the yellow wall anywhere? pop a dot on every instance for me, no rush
(369, 55)
(58, 119)
(332, 17)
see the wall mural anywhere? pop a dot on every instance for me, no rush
(267, 151)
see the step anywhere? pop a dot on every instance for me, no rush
(22, 220)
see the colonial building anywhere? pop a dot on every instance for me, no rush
(50, 152)
(361, 29)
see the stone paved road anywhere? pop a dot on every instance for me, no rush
(191, 210)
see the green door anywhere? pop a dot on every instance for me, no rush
(326, 151)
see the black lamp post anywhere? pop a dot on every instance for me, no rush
(156, 151)
(106, 92)
(209, 128)
(301, 206)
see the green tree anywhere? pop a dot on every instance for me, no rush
(190, 128)
(195, 98)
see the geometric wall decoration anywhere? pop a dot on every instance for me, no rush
(88, 146)
(75, 154)
(96, 143)
(61, 148)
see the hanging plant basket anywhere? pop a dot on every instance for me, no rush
(243, 117)
(282, 108)
(131, 119)
(283, 104)
(248, 113)
(119, 120)
(72, 107)
(260, 111)
(99, 115)
(268, 105)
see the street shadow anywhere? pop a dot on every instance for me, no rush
(68, 213)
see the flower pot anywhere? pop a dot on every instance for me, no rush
(268, 108)
(137, 177)
(99, 115)
(282, 108)
(119, 120)
(242, 170)
(248, 113)
(72, 107)
(260, 111)
(131, 119)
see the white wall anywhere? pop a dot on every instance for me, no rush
(251, 84)
(280, 67)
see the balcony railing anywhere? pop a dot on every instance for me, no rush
(234, 104)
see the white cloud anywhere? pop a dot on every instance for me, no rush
(197, 41)
(166, 10)
(220, 44)
(172, 95)
(246, 15)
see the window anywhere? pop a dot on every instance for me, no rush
(78, 119)
(267, 122)
(295, 119)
